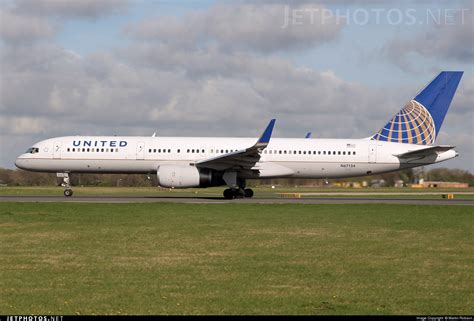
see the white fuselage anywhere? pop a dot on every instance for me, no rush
(283, 157)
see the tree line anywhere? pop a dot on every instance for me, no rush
(19, 177)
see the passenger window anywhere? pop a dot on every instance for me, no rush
(353, 153)
(343, 153)
(339, 152)
(179, 150)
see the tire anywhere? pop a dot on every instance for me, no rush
(68, 192)
(229, 194)
(248, 192)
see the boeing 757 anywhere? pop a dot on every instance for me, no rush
(406, 141)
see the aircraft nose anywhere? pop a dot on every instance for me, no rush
(20, 163)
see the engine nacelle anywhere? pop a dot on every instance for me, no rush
(176, 176)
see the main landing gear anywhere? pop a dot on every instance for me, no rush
(65, 183)
(237, 193)
(237, 186)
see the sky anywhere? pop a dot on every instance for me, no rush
(340, 69)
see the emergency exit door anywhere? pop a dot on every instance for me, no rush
(140, 150)
(57, 150)
(372, 153)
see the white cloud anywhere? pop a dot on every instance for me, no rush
(451, 39)
(263, 28)
(89, 9)
(19, 29)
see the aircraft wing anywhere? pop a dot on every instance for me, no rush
(425, 151)
(243, 159)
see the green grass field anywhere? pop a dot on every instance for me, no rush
(70, 258)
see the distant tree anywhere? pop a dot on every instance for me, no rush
(452, 175)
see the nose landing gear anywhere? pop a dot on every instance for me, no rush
(65, 183)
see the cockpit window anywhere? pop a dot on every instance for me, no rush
(32, 150)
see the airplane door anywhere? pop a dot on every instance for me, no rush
(372, 153)
(140, 150)
(57, 150)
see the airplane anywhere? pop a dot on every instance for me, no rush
(406, 141)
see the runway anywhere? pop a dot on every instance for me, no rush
(218, 200)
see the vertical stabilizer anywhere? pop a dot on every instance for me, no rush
(419, 122)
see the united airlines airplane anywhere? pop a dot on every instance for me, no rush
(406, 141)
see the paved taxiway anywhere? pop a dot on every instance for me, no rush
(217, 200)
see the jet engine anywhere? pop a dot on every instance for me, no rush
(176, 176)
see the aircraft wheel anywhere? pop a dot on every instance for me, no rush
(68, 192)
(248, 192)
(229, 194)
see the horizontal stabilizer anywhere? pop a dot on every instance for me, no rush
(425, 151)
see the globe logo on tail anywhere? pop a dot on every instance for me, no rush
(412, 125)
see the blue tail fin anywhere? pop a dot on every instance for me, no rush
(419, 122)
